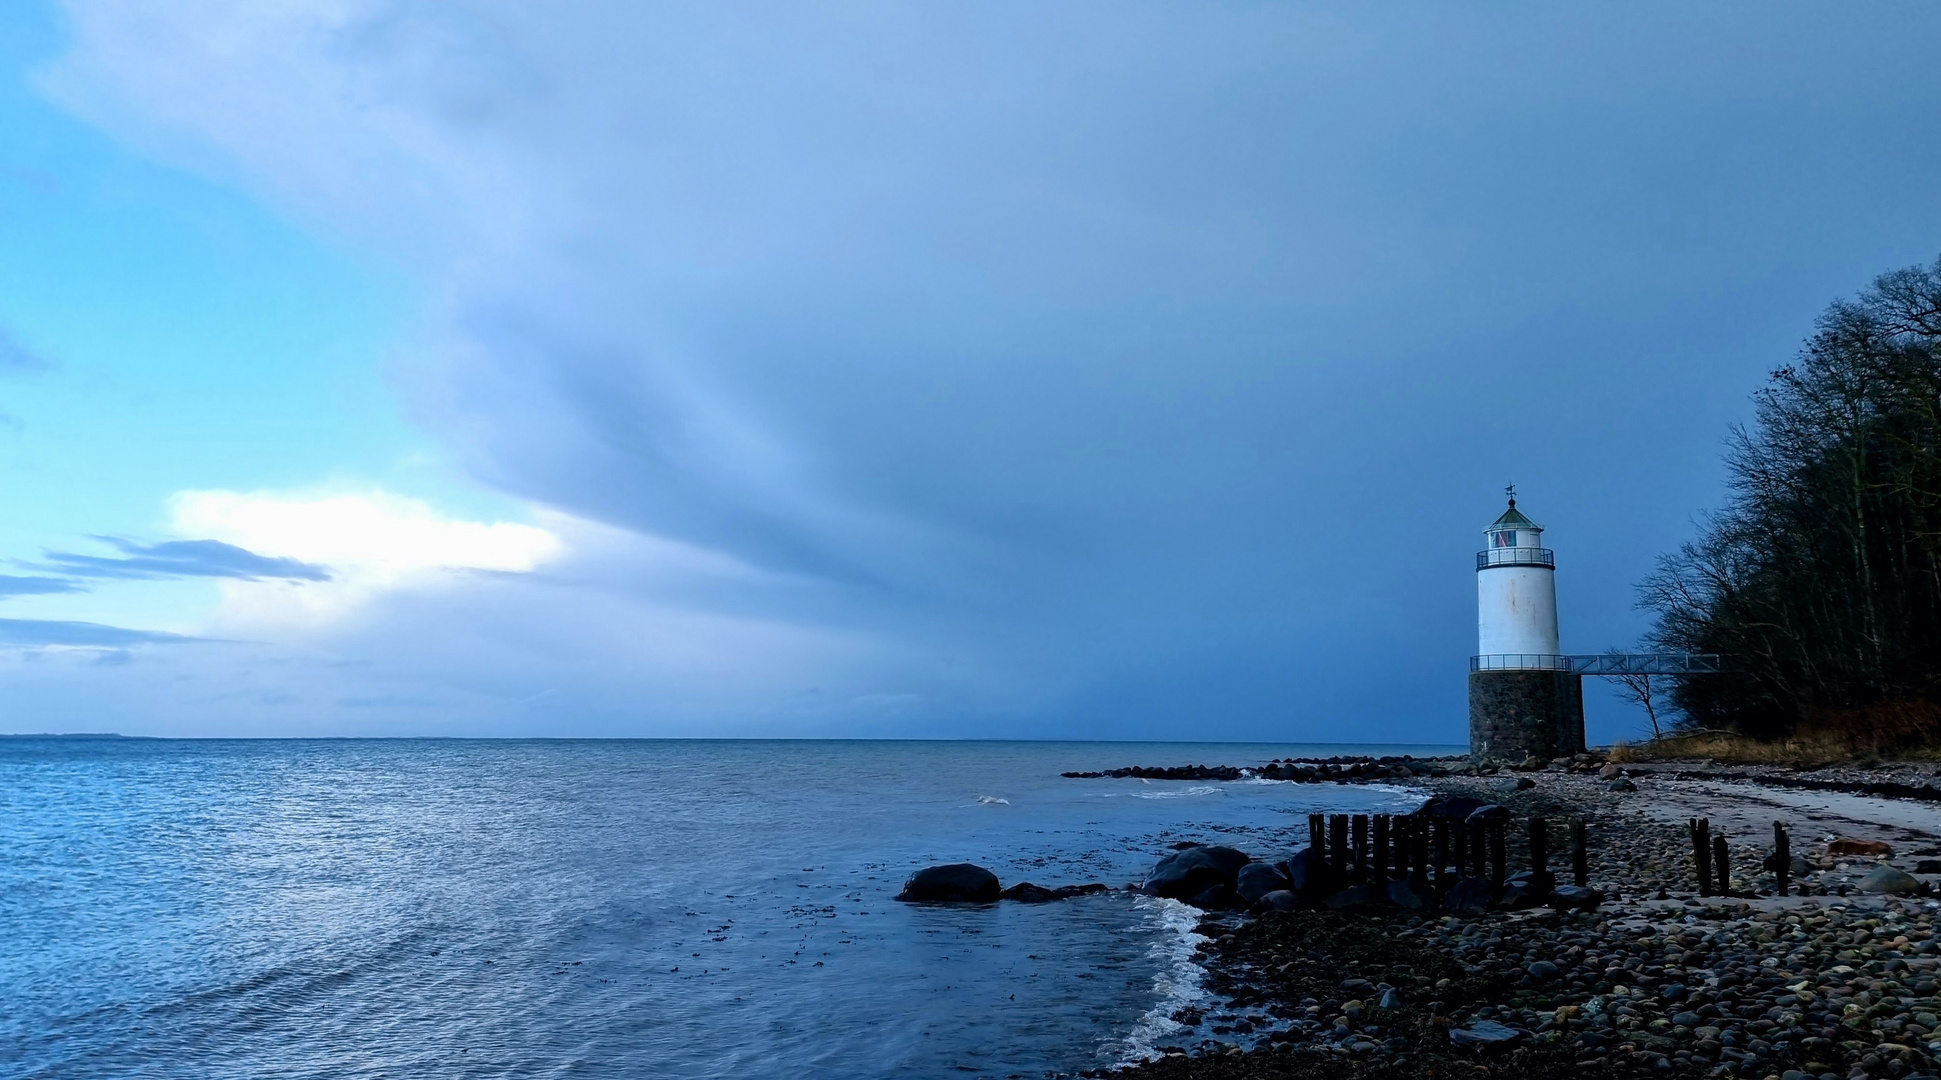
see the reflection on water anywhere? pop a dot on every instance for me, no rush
(602, 908)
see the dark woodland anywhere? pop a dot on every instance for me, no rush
(1819, 581)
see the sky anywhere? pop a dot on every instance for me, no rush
(1146, 371)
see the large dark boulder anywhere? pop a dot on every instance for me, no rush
(1257, 879)
(1218, 898)
(1186, 874)
(1308, 874)
(955, 883)
(1449, 807)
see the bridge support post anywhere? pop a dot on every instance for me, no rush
(1516, 713)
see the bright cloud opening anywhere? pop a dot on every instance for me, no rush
(369, 541)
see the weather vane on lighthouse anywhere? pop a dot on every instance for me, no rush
(1510, 490)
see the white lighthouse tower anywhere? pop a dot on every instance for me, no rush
(1516, 596)
(1525, 698)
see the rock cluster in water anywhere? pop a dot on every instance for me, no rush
(968, 883)
(1328, 770)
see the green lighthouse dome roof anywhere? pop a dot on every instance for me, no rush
(1514, 519)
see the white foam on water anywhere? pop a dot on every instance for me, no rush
(1186, 793)
(992, 800)
(1180, 981)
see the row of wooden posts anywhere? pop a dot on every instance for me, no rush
(1714, 859)
(1369, 849)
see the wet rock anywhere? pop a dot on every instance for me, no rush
(1848, 845)
(1888, 879)
(1620, 784)
(1928, 866)
(1281, 901)
(1257, 879)
(1308, 874)
(1575, 898)
(1484, 1033)
(1355, 896)
(1526, 889)
(1218, 898)
(1489, 812)
(1188, 873)
(1025, 892)
(954, 883)
(1611, 771)
(1452, 807)
(1470, 896)
(1543, 970)
(1403, 895)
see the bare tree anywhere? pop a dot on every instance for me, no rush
(1637, 689)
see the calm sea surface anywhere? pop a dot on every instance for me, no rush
(436, 908)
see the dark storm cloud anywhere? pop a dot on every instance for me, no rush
(182, 558)
(1146, 369)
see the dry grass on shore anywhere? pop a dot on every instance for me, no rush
(1805, 751)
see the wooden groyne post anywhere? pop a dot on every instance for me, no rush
(1701, 830)
(1782, 857)
(1580, 854)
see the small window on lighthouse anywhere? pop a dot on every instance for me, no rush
(1506, 539)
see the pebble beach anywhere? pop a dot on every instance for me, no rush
(1835, 981)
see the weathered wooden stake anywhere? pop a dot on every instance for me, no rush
(1419, 833)
(1378, 866)
(1479, 846)
(1359, 826)
(1580, 855)
(1702, 853)
(1441, 855)
(1721, 866)
(1461, 854)
(1338, 843)
(1540, 848)
(1782, 857)
(1317, 835)
(1499, 853)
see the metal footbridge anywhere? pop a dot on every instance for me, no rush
(1603, 663)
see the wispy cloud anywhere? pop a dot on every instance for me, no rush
(183, 558)
(13, 585)
(32, 632)
(16, 358)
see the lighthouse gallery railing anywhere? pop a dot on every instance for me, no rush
(1516, 556)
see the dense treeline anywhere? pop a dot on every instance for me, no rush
(1820, 580)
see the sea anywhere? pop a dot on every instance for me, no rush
(603, 908)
